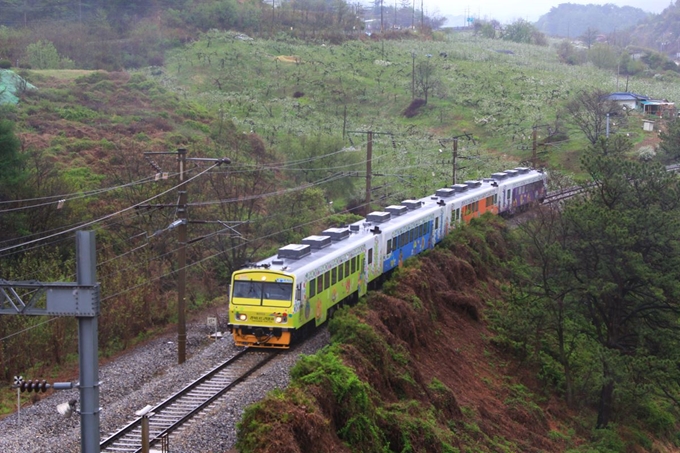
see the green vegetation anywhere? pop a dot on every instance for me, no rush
(291, 104)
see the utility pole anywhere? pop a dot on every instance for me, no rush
(182, 257)
(82, 300)
(455, 153)
(369, 163)
(534, 146)
(181, 224)
(607, 125)
(455, 156)
(382, 27)
(369, 160)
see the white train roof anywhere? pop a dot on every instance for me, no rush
(344, 242)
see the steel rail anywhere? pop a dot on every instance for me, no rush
(172, 413)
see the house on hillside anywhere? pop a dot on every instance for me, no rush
(659, 107)
(628, 101)
(643, 104)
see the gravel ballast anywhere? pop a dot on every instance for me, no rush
(148, 375)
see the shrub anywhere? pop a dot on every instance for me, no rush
(646, 153)
(42, 55)
(5, 64)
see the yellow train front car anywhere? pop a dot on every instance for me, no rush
(261, 308)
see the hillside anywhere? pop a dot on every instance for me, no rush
(660, 32)
(293, 117)
(570, 20)
(418, 368)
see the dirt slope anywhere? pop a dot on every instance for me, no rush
(435, 379)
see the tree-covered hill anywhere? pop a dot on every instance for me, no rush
(292, 110)
(571, 20)
(660, 32)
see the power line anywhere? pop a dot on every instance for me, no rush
(317, 220)
(69, 197)
(105, 217)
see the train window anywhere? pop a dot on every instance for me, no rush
(410, 236)
(354, 264)
(327, 280)
(347, 268)
(403, 240)
(340, 268)
(458, 214)
(248, 290)
(370, 256)
(508, 195)
(278, 291)
(495, 198)
(334, 276)
(312, 287)
(389, 246)
(436, 223)
(319, 284)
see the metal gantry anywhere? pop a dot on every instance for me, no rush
(81, 300)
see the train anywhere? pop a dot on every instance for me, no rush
(277, 300)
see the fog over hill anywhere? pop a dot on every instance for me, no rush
(506, 12)
(571, 20)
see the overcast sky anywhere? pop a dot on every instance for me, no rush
(510, 10)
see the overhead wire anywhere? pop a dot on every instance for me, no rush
(35, 326)
(270, 194)
(157, 278)
(322, 181)
(105, 218)
(108, 216)
(67, 197)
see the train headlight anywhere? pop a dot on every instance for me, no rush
(278, 319)
(242, 317)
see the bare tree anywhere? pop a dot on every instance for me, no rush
(591, 111)
(590, 36)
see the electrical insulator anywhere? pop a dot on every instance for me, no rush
(36, 386)
(26, 386)
(42, 386)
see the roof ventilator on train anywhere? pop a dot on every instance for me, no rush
(294, 251)
(412, 204)
(317, 242)
(337, 234)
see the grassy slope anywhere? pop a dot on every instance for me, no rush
(496, 96)
(415, 369)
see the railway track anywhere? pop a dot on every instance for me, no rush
(172, 413)
(562, 194)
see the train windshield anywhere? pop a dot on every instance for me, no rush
(273, 294)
